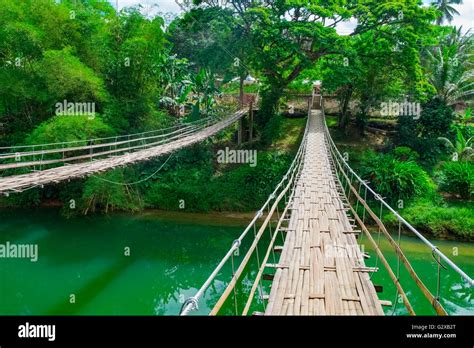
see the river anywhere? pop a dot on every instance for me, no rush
(148, 263)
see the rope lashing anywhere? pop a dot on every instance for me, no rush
(378, 198)
(440, 265)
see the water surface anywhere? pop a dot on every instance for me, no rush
(171, 255)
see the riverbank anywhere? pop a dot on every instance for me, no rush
(411, 185)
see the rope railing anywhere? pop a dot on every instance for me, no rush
(97, 140)
(113, 148)
(271, 205)
(353, 186)
(87, 162)
(58, 155)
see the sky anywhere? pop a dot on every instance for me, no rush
(465, 19)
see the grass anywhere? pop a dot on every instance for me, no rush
(290, 134)
(443, 221)
(232, 88)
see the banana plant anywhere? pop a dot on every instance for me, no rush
(467, 117)
(176, 83)
(204, 93)
(461, 147)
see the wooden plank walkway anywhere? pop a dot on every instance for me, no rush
(321, 270)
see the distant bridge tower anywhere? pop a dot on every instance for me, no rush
(317, 95)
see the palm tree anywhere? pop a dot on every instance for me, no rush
(461, 146)
(447, 11)
(450, 66)
(467, 117)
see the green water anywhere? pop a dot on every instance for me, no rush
(170, 257)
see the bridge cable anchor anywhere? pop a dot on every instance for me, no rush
(190, 301)
(236, 243)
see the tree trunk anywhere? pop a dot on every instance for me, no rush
(270, 103)
(266, 116)
(241, 89)
(343, 120)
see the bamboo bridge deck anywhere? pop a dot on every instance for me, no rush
(321, 270)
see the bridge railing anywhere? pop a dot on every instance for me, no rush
(370, 210)
(263, 237)
(40, 156)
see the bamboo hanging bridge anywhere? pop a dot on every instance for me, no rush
(317, 213)
(78, 159)
(303, 244)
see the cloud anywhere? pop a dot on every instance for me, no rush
(164, 5)
(466, 15)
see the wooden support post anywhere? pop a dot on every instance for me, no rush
(240, 131)
(251, 121)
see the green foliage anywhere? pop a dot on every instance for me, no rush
(156, 119)
(461, 147)
(404, 153)
(457, 178)
(109, 192)
(439, 220)
(436, 119)
(69, 128)
(422, 134)
(46, 57)
(449, 65)
(396, 179)
(66, 77)
(273, 127)
(230, 188)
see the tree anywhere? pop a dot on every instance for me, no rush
(132, 73)
(449, 66)
(290, 36)
(377, 67)
(30, 32)
(212, 39)
(447, 11)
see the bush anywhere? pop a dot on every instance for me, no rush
(435, 119)
(69, 128)
(238, 187)
(396, 179)
(457, 178)
(442, 221)
(108, 192)
(422, 134)
(404, 153)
